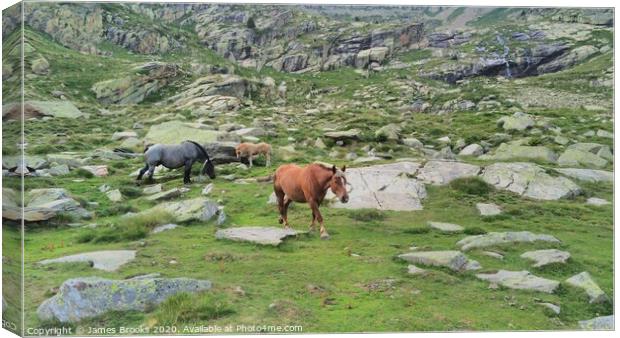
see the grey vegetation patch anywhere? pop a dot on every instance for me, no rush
(498, 238)
(109, 260)
(88, 297)
(520, 280)
(454, 260)
(545, 257)
(259, 235)
(584, 281)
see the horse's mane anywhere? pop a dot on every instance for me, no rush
(324, 165)
(200, 148)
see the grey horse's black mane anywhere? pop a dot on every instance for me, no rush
(201, 148)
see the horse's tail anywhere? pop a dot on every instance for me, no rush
(146, 147)
(201, 149)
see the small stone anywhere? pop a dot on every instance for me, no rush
(258, 235)
(455, 260)
(207, 189)
(114, 195)
(597, 201)
(109, 260)
(472, 150)
(164, 227)
(414, 270)
(493, 254)
(152, 189)
(499, 238)
(520, 280)
(554, 308)
(446, 227)
(488, 209)
(598, 323)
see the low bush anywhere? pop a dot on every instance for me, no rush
(472, 186)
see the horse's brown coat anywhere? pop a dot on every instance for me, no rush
(308, 184)
(250, 150)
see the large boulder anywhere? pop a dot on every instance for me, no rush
(545, 257)
(519, 152)
(83, 298)
(444, 172)
(37, 109)
(197, 209)
(175, 132)
(384, 187)
(598, 323)
(585, 282)
(148, 79)
(518, 121)
(588, 175)
(586, 155)
(501, 238)
(389, 132)
(222, 152)
(351, 134)
(529, 180)
(212, 93)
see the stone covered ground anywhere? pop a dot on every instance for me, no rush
(479, 147)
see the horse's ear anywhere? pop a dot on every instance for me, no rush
(344, 168)
(334, 169)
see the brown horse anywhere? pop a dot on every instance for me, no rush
(309, 184)
(250, 150)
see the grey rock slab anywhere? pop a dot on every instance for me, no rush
(518, 121)
(588, 175)
(488, 209)
(493, 254)
(165, 195)
(446, 227)
(444, 172)
(520, 280)
(259, 235)
(598, 323)
(597, 201)
(454, 260)
(577, 157)
(554, 308)
(472, 150)
(198, 208)
(414, 270)
(584, 281)
(152, 189)
(515, 151)
(383, 187)
(529, 180)
(82, 298)
(114, 195)
(545, 257)
(498, 238)
(109, 260)
(162, 228)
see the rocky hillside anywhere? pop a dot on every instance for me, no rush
(479, 143)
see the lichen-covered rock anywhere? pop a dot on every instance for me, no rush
(472, 150)
(446, 227)
(545, 257)
(37, 109)
(388, 132)
(529, 180)
(351, 134)
(598, 323)
(454, 260)
(444, 172)
(89, 297)
(109, 260)
(498, 238)
(198, 208)
(518, 121)
(586, 154)
(488, 209)
(520, 280)
(584, 281)
(175, 132)
(515, 152)
(40, 66)
(258, 235)
(588, 175)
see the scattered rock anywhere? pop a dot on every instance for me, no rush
(121, 135)
(97, 170)
(498, 238)
(351, 134)
(414, 270)
(493, 254)
(175, 132)
(488, 209)
(163, 228)
(554, 308)
(545, 257)
(165, 195)
(597, 201)
(198, 208)
(444, 172)
(529, 180)
(258, 235)
(588, 175)
(584, 281)
(413, 143)
(152, 189)
(389, 132)
(82, 298)
(207, 189)
(519, 121)
(446, 227)
(520, 280)
(516, 152)
(454, 260)
(472, 150)
(598, 323)
(109, 260)
(114, 195)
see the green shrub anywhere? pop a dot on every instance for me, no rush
(472, 186)
(186, 308)
(115, 209)
(474, 231)
(417, 230)
(367, 215)
(130, 191)
(83, 173)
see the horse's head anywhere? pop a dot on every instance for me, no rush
(338, 184)
(208, 168)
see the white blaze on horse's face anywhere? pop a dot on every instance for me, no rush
(338, 185)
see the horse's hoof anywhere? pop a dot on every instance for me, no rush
(325, 237)
(280, 221)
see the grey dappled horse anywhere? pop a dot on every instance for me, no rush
(174, 156)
